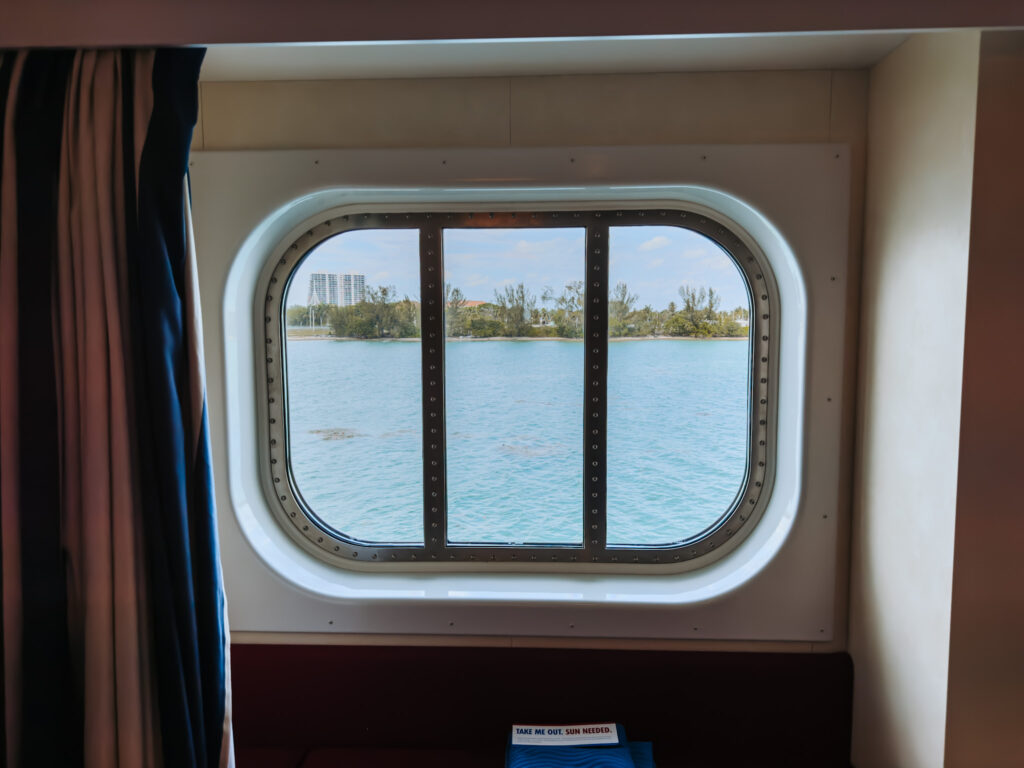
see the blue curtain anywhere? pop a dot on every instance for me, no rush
(104, 450)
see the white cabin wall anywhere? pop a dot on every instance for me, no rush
(921, 127)
(598, 110)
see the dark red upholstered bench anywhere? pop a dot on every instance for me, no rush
(329, 706)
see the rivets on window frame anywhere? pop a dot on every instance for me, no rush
(755, 274)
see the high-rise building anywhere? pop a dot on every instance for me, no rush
(353, 289)
(339, 289)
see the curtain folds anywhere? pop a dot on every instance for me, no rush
(113, 616)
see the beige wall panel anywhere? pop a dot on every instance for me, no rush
(986, 656)
(356, 113)
(917, 227)
(726, 107)
(716, 107)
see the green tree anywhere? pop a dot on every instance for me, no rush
(568, 312)
(406, 320)
(484, 327)
(454, 317)
(380, 316)
(316, 314)
(700, 315)
(620, 305)
(645, 321)
(297, 317)
(515, 306)
(680, 325)
(710, 308)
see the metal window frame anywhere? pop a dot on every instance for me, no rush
(594, 555)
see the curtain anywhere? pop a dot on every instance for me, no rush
(114, 628)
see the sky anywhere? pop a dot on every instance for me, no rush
(654, 261)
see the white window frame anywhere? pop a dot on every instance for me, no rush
(788, 202)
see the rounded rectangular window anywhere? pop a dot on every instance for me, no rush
(521, 388)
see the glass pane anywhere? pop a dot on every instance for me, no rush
(678, 372)
(514, 385)
(354, 391)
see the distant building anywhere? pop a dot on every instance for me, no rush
(353, 289)
(339, 289)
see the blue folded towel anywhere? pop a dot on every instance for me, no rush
(642, 754)
(625, 754)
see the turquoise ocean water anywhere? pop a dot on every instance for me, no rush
(677, 427)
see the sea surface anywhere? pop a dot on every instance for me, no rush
(677, 427)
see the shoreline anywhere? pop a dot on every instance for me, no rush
(614, 339)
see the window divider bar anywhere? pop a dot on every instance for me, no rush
(595, 411)
(432, 340)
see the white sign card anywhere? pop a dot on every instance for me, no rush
(590, 734)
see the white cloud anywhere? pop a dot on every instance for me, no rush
(720, 262)
(654, 243)
(555, 246)
(655, 263)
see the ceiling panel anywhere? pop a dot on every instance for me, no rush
(504, 58)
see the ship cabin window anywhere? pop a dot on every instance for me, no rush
(585, 389)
